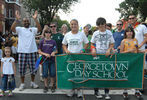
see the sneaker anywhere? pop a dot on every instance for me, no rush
(71, 93)
(45, 89)
(10, 93)
(79, 93)
(125, 95)
(138, 94)
(53, 88)
(98, 95)
(21, 87)
(107, 97)
(33, 85)
(1, 93)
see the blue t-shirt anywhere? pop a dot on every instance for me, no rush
(118, 37)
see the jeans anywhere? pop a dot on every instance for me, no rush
(8, 84)
(49, 65)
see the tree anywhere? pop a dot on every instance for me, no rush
(136, 7)
(48, 8)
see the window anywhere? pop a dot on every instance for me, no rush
(10, 13)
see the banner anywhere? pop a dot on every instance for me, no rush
(84, 70)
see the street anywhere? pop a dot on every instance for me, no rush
(37, 94)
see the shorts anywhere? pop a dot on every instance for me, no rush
(25, 59)
(49, 65)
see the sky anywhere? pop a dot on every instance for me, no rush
(87, 11)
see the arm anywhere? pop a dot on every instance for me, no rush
(1, 69)
(45, 54)
(14, 68)
(15, 22)
(122, 47)
(144, 41)
(109, 49)
(86, 46)
(93, 49)
(54, 52)
(65, 49)
(36, 21)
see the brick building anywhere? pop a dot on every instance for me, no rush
(7, 13)
(2, 16)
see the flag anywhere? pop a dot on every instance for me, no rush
(39, 61)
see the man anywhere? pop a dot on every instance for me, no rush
(58, 37)
(118, 35)
(140, 35)
(27, 48)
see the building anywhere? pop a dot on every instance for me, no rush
(7, 13)
(2, 15)
(11, 6)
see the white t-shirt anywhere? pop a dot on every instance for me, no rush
(140, 30)
(102, 40)
(7, 65)
(26, 39)
(75, 41)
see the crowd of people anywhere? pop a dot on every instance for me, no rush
(23, 45)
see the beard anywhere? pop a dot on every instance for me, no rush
(26, 25)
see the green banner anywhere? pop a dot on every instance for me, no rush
(84, 70)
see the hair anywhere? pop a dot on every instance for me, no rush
(132, 15)
(7, 47)
(109, 25)
(129, 29)
(64, 25)
(120, 21)
(100, 21)
(54, 23)
(74, 20)
(45, 31)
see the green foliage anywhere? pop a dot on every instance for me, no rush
(48, 8)
(136, 7)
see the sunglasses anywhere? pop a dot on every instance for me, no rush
(119, 24)
(52, 26)
(48, 32)
(132, 18)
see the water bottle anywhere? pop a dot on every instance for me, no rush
(9, 78)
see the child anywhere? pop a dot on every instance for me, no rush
(73, 43)
(47, 48)
(104, 42)
(129, 45)
(8, 71)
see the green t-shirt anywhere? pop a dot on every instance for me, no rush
(58, 37)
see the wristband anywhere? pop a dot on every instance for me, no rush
(92, 47)
(17, 21)
(83, 50)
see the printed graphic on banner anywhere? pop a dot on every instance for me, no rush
(84, 70)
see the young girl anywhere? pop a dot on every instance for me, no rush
(73, 43)
(8, 71)
(129, 45)
(47, 48)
